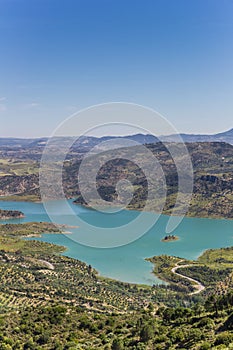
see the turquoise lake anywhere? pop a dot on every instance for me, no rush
(127, 263)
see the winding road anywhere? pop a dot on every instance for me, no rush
(198, 285)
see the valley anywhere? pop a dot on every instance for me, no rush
(46, 281)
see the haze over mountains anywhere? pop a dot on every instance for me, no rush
(83, 141)
(226, 136)
(91, 141)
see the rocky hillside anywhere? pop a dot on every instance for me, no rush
(213, 180)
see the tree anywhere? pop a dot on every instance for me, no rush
(205, 346)
(29, 345)
(198, 309)
(229, 323)
(117, 344)
(5, 346)
(150, 307)
(146, 333)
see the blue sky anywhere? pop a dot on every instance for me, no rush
(56, 57)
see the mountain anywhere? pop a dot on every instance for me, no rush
(226, 136)
(85, 143)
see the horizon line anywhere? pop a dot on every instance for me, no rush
(112, 135)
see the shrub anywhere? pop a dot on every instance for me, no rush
(117, 344)
(224, 338)
(205, 346)
(146, 333)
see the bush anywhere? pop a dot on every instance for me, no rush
(224, 338)
(146, 333)
(205, 346)
(117, 344)
(229, 322)
(206, 322)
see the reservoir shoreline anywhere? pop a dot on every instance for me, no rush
(196, 236)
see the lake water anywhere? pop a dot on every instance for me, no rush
(127, 263)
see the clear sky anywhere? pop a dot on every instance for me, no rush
(57, 56)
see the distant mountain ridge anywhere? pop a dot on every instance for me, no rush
(226, 136)
(82, 141)
(91, 141)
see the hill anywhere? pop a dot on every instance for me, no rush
(226, 136)
(213, 183)
(212, 164)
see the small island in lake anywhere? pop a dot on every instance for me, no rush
(11, 214)
(170, 238)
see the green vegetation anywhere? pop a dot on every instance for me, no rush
(10, 235)
(21, 198)
(65, 326)
(163, 266)
(11, 166)
(49, 301)
(78, 283)
(213, 269)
